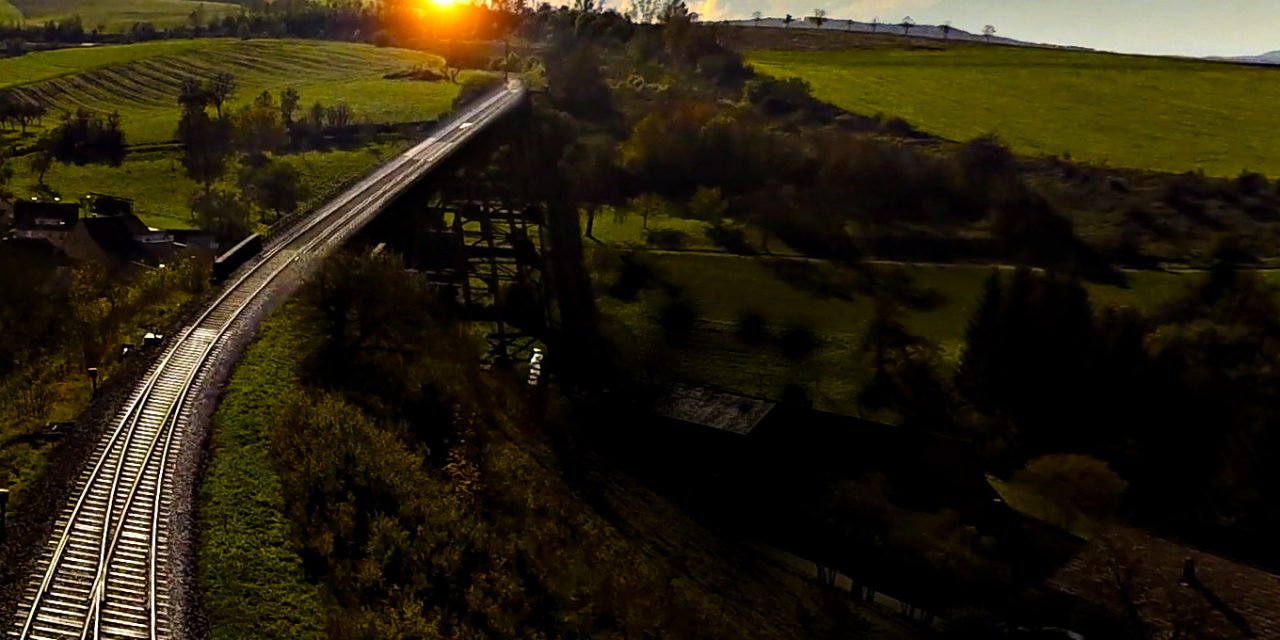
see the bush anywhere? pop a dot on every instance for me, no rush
(677, 320)
(731, 239)
(474, 87)
(1249, 183)
(798, 342)
(634, 276)
(752, 329)
(778, 97)
(1119, 185)
(670, 239)
(382, 39)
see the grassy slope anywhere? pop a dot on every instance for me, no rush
(251, 581)
(142, 81)
(1131, 111)
(252, 584)
(118, 15)
(723, 286)
(161, 192)
(8, 12)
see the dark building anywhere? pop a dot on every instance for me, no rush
(114, 242)
(52, 221)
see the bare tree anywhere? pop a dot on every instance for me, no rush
(987, 32)
(906, 25)
(819, 17)
(875, 24)
(757, 16)
(786, 22)
(946, 30)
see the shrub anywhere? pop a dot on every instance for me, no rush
(677, 320)
(798, 342)
(778, 97)
(382, 39)
(670, 239)
(1249, 183)
(634, 276)
(752, 329)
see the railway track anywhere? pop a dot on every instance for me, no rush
(104, 572)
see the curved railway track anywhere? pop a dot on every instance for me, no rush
(105, 571)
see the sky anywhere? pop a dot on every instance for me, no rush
(1177, 27)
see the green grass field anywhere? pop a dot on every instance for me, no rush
(119, 15)
(1125, 111)
(9, 13)
(724, 286)
(251, 581)
(142, 81)
(161, 193)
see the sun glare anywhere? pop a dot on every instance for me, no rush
(443, 4)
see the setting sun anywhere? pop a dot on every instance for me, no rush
(443, 4)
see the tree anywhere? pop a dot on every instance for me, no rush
(647, 205)
(906, 24)
(42, 160)
(197, 17)
(819, 17)
(1076, 484)
(987, 32)
(206, 146)
(593, 176)
(849, 24)
(786, 21)
(220, 89)
(258, 128)
(316, 118)
(339, 116)
(223, 213)
(875, 24)
(277, 188)
(756, 17)
(193, 95)
(708, 204)
(289, 100)
(946, 30)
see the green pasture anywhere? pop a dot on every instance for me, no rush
(119, 15)
(142, 81)
(1127, 111)
(722, 287)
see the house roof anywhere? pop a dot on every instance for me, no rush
(45, 216)
(115, 235)
(712, 408)
(1172, 581)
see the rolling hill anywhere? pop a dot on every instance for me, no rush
(116, 15)
(142, 82)
(1139, 112)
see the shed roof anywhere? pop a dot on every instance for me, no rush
(713, 408)
(1227, 598)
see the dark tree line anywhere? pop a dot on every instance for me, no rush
(19, 111)
(1180, 401)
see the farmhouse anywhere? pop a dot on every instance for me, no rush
(52, 221)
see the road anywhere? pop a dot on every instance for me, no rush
(109, 569)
